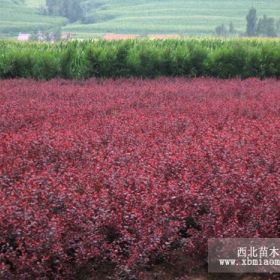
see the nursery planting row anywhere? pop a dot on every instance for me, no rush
(141, 58)
(130, 174)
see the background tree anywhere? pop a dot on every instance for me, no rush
(53, 7)
(231, 28)
(251, 22)
(70, 9)
(266, 27)
(277, 26)
(221, 30)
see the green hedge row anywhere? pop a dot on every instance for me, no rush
(141, 58)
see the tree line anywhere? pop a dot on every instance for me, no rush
(263, 26)
(255, 26)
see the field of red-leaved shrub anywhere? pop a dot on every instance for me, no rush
(129, 174)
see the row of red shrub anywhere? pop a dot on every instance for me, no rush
(129, 171)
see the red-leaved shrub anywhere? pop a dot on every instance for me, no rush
(129, 171)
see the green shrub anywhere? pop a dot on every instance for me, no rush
(141, 58)
(17, 64)
(227, 62)
(73, 62)
(270, 62)
(46, 66)
(197, 61)
(94, 58)
(253, 62)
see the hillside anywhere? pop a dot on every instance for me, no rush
(189, 17)
(171, 16)
(24, 16)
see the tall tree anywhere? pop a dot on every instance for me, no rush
(251, 22)
(267, 27)
(231, 28)
(221, 30)
(66, 8)
(53, 7)
(73, 10)
(278, 26)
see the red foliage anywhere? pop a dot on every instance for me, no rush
(127, 170)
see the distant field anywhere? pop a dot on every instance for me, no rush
(16, 17)
(177, 16)
(185, 17)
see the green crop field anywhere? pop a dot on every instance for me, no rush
(190, 17)
(185, 17)
(23, 16)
